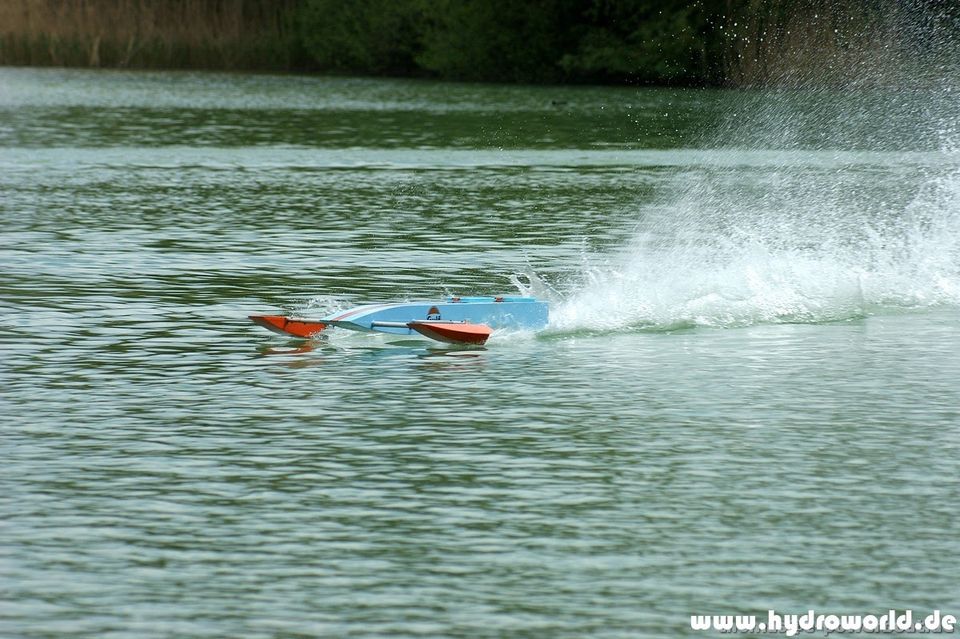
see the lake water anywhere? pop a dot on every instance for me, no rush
(748, 397)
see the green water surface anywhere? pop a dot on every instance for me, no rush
(748, 397)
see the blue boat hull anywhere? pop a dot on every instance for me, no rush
(522, 313)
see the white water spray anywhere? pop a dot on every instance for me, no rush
(856, 213)
(740, 266)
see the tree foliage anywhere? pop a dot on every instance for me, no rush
(635, 41)
(660, 41)
(499, 39)
(643, 40)
(366, 36)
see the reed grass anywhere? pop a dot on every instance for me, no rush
(209, 34)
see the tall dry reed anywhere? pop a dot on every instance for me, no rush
(221, 34)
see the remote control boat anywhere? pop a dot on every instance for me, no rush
(456, 320)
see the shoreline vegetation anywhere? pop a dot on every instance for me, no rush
(738, 43)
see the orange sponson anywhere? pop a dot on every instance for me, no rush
(288, 325)
(453, 333)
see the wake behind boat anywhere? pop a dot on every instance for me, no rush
(457, 320)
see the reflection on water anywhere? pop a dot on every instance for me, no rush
(300, 348)
(171, 469)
